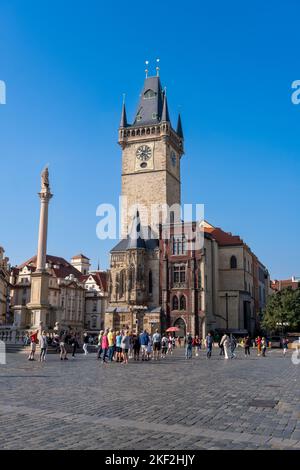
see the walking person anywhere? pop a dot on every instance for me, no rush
(125, 346)
(188, 346)
(43, 346)
(263, 346)
(144, 340)
(156, 339)
(285, 345)
(209, 345)
(33, 342)
(221, 346)
(247, 344)
(225, 342)
(100, 344)
(63, 346)
(86, 341)
(104, 345)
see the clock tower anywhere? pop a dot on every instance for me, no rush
(151, 153)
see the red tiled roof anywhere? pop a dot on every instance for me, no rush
(224, 238)
(283, 284)
(63, 269)
(100, 278)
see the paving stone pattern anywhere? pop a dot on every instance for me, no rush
(244, 403)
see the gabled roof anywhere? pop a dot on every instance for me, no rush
(100, 278)
(59, 266)
(80, 256)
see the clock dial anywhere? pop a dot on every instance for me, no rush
(173, 158)
(143, 153)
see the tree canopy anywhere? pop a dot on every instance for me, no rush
(283, 308)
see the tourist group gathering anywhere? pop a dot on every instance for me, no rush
(120, 346)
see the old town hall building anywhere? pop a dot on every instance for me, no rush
(161, 281)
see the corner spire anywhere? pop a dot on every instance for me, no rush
(165, 112)
(179, 130)
(123, 122)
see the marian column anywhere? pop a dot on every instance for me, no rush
(39, 301)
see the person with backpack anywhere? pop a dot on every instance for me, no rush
(189, 346)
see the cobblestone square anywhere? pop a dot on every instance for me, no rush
(244, 403)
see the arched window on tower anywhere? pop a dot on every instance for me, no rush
(150, 282)
(182, 303)
(175, 303)
(233, 262)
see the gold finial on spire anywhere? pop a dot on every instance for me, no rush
(146, 70)
(157, 67)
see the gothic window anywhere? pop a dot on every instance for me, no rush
(150, 282)
(179, 273)
(175, 303)
(233, 262)
(182, 303)
(179, 244)
(149, 94)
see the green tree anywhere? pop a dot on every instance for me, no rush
(282, 307)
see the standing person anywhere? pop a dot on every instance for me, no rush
(130, 352)
(225, 342)
(221, 346)
(125, 346)
(136, 347)
(179, 341)
(232, 346)
(43, 346)
(247, 344)
(74, 344)
(285, 345)
(189, 346)
(209, 345)
(62, 346)
(111, 344)
(164, 346)
(144, 340)
(149, 349)
(258, 343)
(86, 341)
(156, 338)
(170, 345)
(264, 346)
(119, 346)
(100, 344)
(104, 345)
(33, 342)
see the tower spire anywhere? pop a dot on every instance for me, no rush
(179, 130)
(123, 122)
(165, 112)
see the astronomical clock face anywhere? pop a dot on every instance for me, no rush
(143, 153)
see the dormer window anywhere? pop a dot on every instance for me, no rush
(149, 94)
(154, 115)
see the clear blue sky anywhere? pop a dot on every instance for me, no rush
(228, 66)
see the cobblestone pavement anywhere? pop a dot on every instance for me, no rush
(244, 403)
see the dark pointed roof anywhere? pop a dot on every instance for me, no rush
(165, 112)
(123, 122)
(150, 105)
(140, 237)
(179, 130)
(136, 239)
